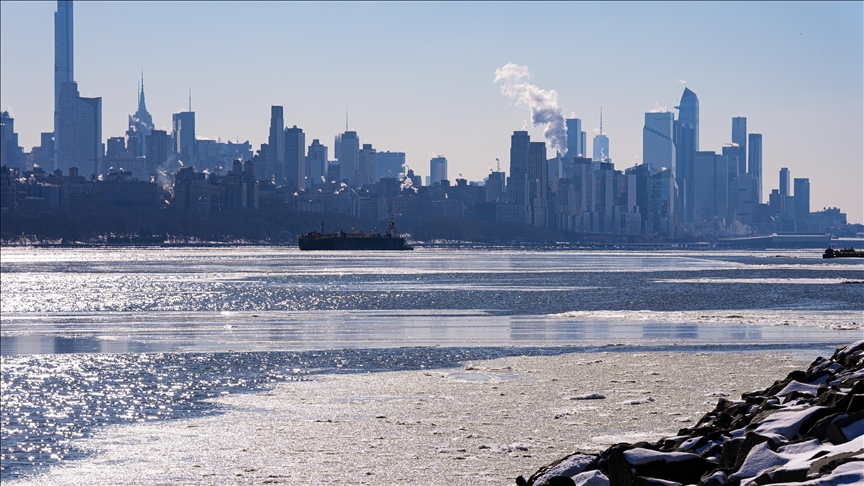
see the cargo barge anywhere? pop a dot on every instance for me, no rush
(844, 253)
(353, 240)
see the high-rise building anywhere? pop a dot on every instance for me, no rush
(10, 152)
(802, 202)
(601, 144)
(140, 124)
(711, 188)
(437, 170)
(686, 139)
(688, 113)
(80, 132)
(367, 165)
(63, 60)
(785, 182)
(575, 138)
(295, 159)
(276, 146)
(658, 148)
(389, 164)
(538, 183)
(316, 163)
(496, 187)
(754, 162)
(185, 147)
(158, 147)
(517, 185)
(739, 139)
(349, 156)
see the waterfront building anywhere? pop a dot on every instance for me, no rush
(802, 202)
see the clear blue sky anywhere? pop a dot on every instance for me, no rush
(418, 77)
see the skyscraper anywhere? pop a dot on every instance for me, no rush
(601, 144)
(739, 138)
(802, 202)
(437, 170)
(349, 156)
(276, 146)
(316, 163)
(63, 59)
(686, 139)
(538, 177)
(157, 149)
(184, 137)
(658, 148)
(785, 182)
(516, 186)
(295, 158)
(140, 124)
(80, 132)
(575, 138)
(754, 159)
(711, 188)
(389, 164)
(9, 149)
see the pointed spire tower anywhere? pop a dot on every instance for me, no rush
(140, 124)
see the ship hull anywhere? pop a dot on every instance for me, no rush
(353, 243)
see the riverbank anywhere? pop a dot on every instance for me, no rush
(485, 423)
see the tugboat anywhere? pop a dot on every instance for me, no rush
(844, 253)
(353, 240)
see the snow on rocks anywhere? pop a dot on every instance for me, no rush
(807, 429)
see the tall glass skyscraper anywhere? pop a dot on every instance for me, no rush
(658, 148)
(754, 166)
(686, 145)
(63, 59)
(739, 138)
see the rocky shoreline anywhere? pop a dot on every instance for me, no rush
(805, 429)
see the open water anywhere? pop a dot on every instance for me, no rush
(112, 336)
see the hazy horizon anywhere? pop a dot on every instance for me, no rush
(418, 78)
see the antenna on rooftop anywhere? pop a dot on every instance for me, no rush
(497, 165)
(190, 99)
(601, 120)
(346, 118)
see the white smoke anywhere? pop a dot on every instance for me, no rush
(659, 109)
(542, 103)
(682, 82)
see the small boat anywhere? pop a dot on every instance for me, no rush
(353, 240)
(844, 253)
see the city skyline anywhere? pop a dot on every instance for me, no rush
(464, 117)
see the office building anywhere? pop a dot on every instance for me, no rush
(802, 202)
(575, 138)
(517, 184)
(140, 125)
(185, 146)
(658, 148)
(711, 188)
(158, 148)
(63, 60)
(11, 154)
(739, 139)
(295, 159)
(538, 183)
(785, 182)
(275, 160)
(754, 162)
(349, 156)
(601, 144)
(366, 165)
(316, 163)
(437, 170)
(79, 132)
(686, 138)
(389, 164)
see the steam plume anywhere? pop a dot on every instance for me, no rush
(542, 103)
(682, 82)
